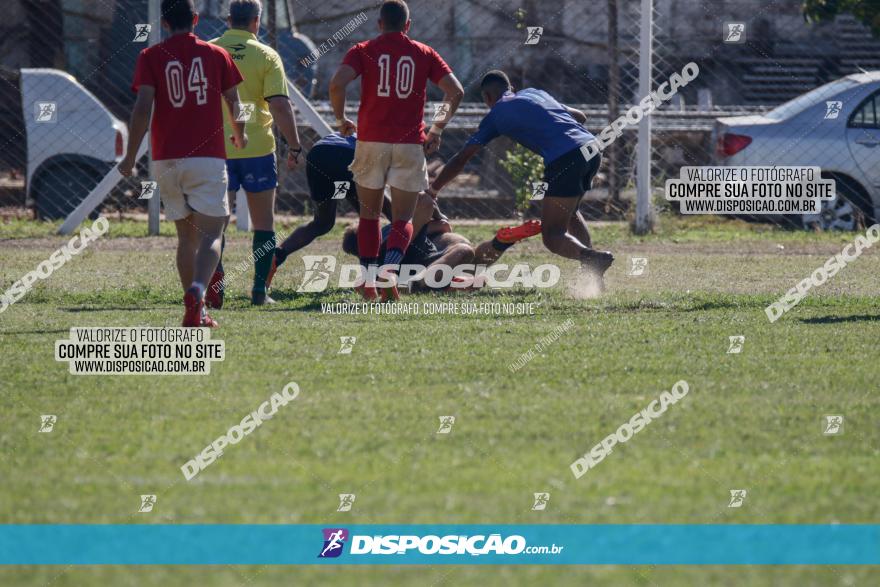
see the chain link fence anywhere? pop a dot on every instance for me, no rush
(66, 68)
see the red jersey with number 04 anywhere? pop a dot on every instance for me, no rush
(394, 72)
(189, 76)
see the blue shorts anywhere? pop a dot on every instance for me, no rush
(254, 174)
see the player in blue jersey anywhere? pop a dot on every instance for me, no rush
(330, 182)
(535, 120)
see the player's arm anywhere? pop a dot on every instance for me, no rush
(282, 113)
(452, 95)
(239, 138)
(338, 83)
(454, 167)
(137, 127)
(275, 92)
(576, 114)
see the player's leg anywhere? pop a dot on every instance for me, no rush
(262, 208)
(170, 177)
(400, 235)
(352, 198)
(489, 251)
(321, 223)
(204, 181)
(187, 245)
(260, 180)
(577, 226)
(556, 215)
(408, 177)
(210, 232)
(369, 170)
(369, 239)
(216, 292)
(568, 178)
(324, 168)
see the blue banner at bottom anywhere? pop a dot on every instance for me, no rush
(222, 544)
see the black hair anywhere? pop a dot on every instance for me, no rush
(495, 82)
(394, 14)
(350, 241)
(178, 14)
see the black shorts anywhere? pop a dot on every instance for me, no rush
(421, 251)
(326, 166)
(571, 175)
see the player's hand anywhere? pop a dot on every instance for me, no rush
(432, 143)
(346, 127)
(126, 166)
(240, 142)
(293, 158)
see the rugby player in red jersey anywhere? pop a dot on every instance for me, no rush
(187, 80)
(392, 144)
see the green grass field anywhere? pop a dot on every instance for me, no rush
(366, 423)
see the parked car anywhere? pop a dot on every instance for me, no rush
(835, 127)
(72, 140)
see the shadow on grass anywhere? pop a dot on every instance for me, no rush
(79, 309)
(53, 331)
(840, 319)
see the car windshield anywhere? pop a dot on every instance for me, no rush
(815, 96)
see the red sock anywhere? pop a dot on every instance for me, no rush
(369, 240)
(398, 240)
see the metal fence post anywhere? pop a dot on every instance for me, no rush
(153, 204)
(644, 209)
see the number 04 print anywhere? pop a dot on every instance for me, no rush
(196, 83)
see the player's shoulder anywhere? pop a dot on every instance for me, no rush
(423, 48)
(364, 45)
(267, 52)
(153, 50)
(536, 95)
(212, 46)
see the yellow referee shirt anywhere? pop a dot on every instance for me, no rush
(264, 77)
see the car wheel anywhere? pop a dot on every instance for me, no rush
(842, 213)
(59, 190)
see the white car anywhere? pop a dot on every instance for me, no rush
(835, 127)
(73, 140)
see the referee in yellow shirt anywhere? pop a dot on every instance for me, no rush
(254, 167)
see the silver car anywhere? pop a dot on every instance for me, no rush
(835, 127)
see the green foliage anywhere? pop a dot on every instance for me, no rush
(524, 167)
(865, 11)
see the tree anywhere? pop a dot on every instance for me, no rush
(865, 11)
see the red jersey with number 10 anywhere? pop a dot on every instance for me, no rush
(189, 76)
(394, 72)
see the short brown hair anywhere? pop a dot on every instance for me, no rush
(394, 14)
